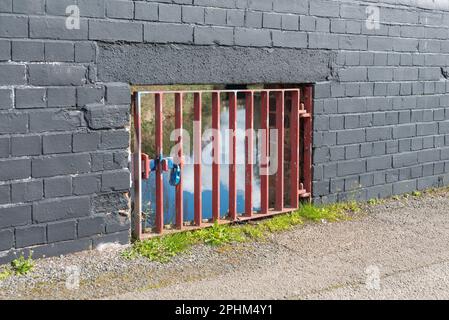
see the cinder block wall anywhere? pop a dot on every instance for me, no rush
(381, 107)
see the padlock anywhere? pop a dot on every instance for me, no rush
(175, 175)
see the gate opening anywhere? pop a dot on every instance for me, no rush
(206, 153)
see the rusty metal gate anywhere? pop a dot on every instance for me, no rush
(280, 111)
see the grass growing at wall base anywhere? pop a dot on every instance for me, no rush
(19, 266)
(162, 249)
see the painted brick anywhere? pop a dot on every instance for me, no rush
(30, 98)
(169, 13)
(192, 14)
(120, 9)
(95, 9)
(12, 74)
(214, 35)
(6, 6)
(30, 236)
(252, 37)
(215, 16)
(6, 239)
(235, 18)
(15, 216)
(26, 145)
(115, 139)
(54, 28)
(91, 226)
(58, 7)
(61, 209)
(13, 123)
(57, 143)
(58, 187)
(60, 51)
(61, 231)
(253, 19)
(27, 191)
(324, 8)
(59, 97)
(85, 52)
(168, 33)
(6, 99)
(5, 50)
(118, 93)
(290, 39)
(115, 180)
(61, 165)
(85, 141)
(105, 117)
(288, 6)
(86, 184)
(62, 120)
(351, 167)
(13, 26)
(89, 95)
(56, 75)
(27, 50)
(5, 194)
(115, 31)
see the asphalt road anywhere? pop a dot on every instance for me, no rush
(399, 250)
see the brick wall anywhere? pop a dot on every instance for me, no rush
(381, 114)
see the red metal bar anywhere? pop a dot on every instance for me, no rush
(307, 165)
(249, 153)
(279, 201)
(264, 124)
(294, 149)
(232, 156)
(198, 216)
(216, 156)
(159, 174)
(137, 169)
(179, 187)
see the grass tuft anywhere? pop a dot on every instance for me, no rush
(162, 249)
(6, 273)
(218, 235)
(22, 266)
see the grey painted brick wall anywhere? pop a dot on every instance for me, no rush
(381, 119)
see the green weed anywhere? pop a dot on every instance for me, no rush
(219, 235)
(6, 273)
(162, 249)
(22, 266)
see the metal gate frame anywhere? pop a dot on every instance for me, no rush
(301, 116)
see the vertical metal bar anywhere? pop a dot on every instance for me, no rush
(232, 156)
(294, 150)
(216, 156)
(198, 215)
(179, 187)
(307, 166)
(264, 124)
(249, 153)
(137, 169)
(159, 174)
(279, 201)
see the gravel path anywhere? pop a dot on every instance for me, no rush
(405, 242)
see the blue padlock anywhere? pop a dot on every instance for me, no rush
(175, 175)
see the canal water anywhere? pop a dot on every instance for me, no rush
(148, 186)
